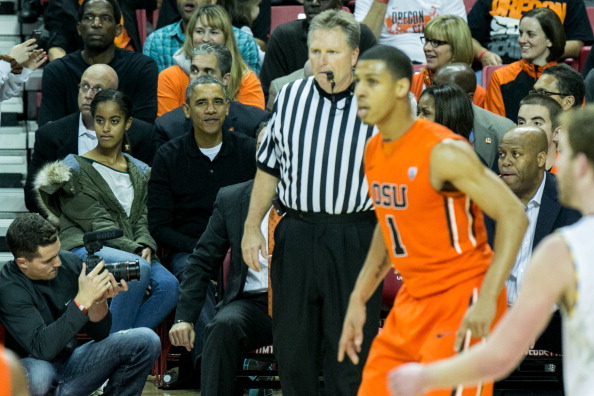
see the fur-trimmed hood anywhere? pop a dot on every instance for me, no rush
(51, 178)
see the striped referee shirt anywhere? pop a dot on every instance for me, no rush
(315, 144)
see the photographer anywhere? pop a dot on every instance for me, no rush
(46, 298)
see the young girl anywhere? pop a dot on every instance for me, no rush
(542, 42)
(242, 14)
(210, 23)
(105, 189)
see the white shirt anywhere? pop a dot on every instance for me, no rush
(212, 152)
(516, 277)
(258, 281)
(405, 20)
(119, 183)
(87, 138)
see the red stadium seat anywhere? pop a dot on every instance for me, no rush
(284, 14)
(487, 71)
(469, 4)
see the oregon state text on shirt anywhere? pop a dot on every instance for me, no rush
(409, 21)
(389, 195)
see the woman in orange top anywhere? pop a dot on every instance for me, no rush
(447, 40)
(542, 42)
(210, 23)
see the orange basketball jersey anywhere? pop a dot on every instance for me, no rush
(436, 240)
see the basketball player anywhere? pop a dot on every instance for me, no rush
(425, 182)
(561, 270)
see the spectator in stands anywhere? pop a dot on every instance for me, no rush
(47, 298)
(164, 44)
(210, 23)
(447, 104)
(542, 41)
(446, 40)
(522, 159)
(12, 373)
(243, 13)
(241, 323)
(278, 83)
(563, 84)
(488, 128)
(61, 17)
(98, 27)
(400, 23)
(75, 133)
(495, 28)
(104, 189)
(215, 60)
(543, 111)
(283, 59)
(189, 170)
(17, 66)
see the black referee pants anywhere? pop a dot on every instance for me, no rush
(316, 261)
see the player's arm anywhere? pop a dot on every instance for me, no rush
(455, 162)
(253, 241)
(374, 270)
(550, 279)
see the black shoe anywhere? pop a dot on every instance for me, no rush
(178, 378)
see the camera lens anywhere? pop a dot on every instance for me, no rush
(126, 270)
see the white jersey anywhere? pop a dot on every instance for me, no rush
(578, 324)
(405, 20)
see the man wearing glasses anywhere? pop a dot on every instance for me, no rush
(563, 84)
(75, 133)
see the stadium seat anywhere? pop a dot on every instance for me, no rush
(284, 14)
(487, 72)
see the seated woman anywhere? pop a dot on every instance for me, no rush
(447, 40)
(210, 23)
(542, 42)
(448, 105)
(106, 189)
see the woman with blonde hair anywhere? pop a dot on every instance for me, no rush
(447, 40)
(210, 23)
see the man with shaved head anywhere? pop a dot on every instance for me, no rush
(75, 133)
(522, 162)
(488, 128)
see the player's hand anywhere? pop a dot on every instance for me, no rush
(182, 334)
(407, 380)
(478, 320)
(252, 244)
(490, 58)
(21, 52)
(146, 254)
(352, 331)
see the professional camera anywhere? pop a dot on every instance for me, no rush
(126, 270)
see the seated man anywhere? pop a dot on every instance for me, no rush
(282, 59)
(562, 83)
(75, 133)
(488, 127)
(522, 159)
(495, 28)
(215, 60)
(164, 42)
(46, 298)
(241, 323)
(543, 111)
(98, 26)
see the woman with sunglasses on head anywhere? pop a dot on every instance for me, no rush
(209, 24)
(447, 40)
(105, 189)
(542, 43)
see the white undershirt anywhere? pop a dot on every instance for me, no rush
(119, 183)
(212, 152)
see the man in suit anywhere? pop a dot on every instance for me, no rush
(215, 60)
(488, 127)
(241, 323)
(75, 133)
(522, 159)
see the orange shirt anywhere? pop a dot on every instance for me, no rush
(424, 79)
(172, 83)
(5, 384)
(436, 240)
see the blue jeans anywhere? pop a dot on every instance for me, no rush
(125, 358)
(127, 308)
(178, 264)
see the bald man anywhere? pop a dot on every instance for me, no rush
(488, 128)
(522, 162)
(75, 133)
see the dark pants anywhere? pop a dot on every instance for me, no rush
(237, 328)
(316, 260)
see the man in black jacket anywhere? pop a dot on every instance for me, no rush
(75, 133)
(46, 298)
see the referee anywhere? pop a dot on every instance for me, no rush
(312, 158)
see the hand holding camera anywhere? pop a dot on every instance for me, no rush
(97, 285)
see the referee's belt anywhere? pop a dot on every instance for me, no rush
(319, 217)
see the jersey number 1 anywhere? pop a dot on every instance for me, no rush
(397, 246)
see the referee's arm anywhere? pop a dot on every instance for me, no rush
(253, 241)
